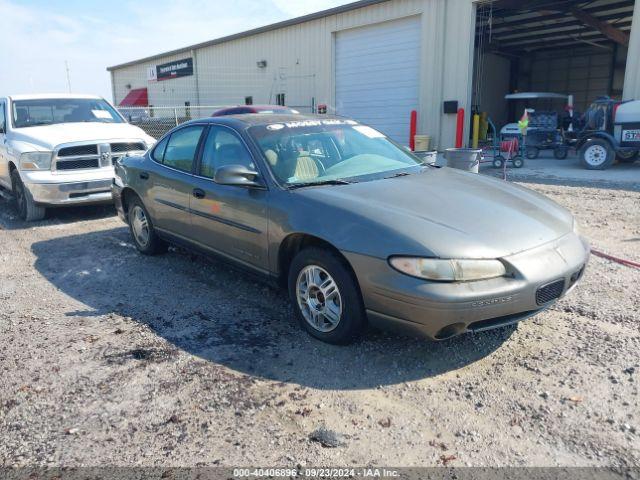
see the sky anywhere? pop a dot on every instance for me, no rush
(43, 36)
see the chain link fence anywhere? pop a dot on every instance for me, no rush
(156, 121)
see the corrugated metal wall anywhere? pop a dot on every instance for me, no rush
(300, 63)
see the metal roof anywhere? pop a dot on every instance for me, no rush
(518, 27)
(267, 28)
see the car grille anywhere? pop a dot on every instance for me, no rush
(78, 150)
(549, 292)
(78, 164)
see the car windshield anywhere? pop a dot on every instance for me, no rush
(312, 152)
(32, 113)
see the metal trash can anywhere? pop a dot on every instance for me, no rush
(467, 159)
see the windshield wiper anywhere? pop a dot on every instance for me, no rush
(337, 181)
(401, 174)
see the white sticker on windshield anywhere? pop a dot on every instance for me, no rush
(368, 131)
(102, 114)
(275, 126)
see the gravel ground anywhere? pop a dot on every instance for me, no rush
(109, 358)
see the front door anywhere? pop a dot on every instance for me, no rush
(230, 220)
(4, 156)
(169, 182)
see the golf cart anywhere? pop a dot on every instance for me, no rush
(611, 130)
(545, 130)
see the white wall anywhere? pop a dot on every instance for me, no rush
(300, 64)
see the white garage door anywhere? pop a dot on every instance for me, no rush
(377, 75)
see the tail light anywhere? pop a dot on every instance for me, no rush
(615, 110)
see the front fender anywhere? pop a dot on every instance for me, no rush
(597, 135)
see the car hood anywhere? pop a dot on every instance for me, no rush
(441, 212)
(50, 136)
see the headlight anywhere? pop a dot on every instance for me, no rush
(35, 161)
(448, 270)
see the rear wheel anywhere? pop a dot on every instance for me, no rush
(28, 210)
(143, 234)
(533, 152)
(627, 157)
(326, 297)
(560, 153)
(498, 162)
(596, 155)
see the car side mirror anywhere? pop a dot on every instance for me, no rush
(237, 175)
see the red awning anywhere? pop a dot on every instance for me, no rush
(137, 97)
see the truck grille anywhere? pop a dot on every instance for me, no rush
(78, 150)
(79, 157)
(127, 147)
(549, 292)
(78, 164)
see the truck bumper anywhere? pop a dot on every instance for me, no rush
(83, 188)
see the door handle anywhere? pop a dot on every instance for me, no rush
(199, 193)
(144, 175)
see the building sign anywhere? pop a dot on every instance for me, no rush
(152, 74)
(179, 68)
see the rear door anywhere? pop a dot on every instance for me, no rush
(230, 220)
(168, 182)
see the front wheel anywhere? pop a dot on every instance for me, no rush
(326, 297)
(28, 210)
(143, 234)
(596, 154)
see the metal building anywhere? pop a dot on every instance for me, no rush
(376, 60)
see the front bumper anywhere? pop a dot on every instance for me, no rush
(89, 187)
(443, 310)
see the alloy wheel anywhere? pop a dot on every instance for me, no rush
(319, 298)
(140, 226)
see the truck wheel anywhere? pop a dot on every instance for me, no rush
(597, 154)
(627, 157)
(28, 210)
(143, 234)
(325, 297)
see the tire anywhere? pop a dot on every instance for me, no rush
(332, 315)
(628, 158)
(597, 154)
(532, 153)
(560, 153)
(28, 210)
(141, 228)
(517, 162)
(498, 162)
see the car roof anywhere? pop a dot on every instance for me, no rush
(44, 96)
(252, 119)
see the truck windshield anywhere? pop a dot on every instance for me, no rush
(32, 113)
(311, 152)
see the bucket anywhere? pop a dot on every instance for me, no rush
(422, 143)
(467, 159)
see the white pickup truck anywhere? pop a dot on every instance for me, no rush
(58, 150)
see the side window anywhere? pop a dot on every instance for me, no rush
(181, 148)
(158, 152)
(223, 147)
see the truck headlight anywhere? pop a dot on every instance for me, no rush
(36, 161)
(448, 270)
